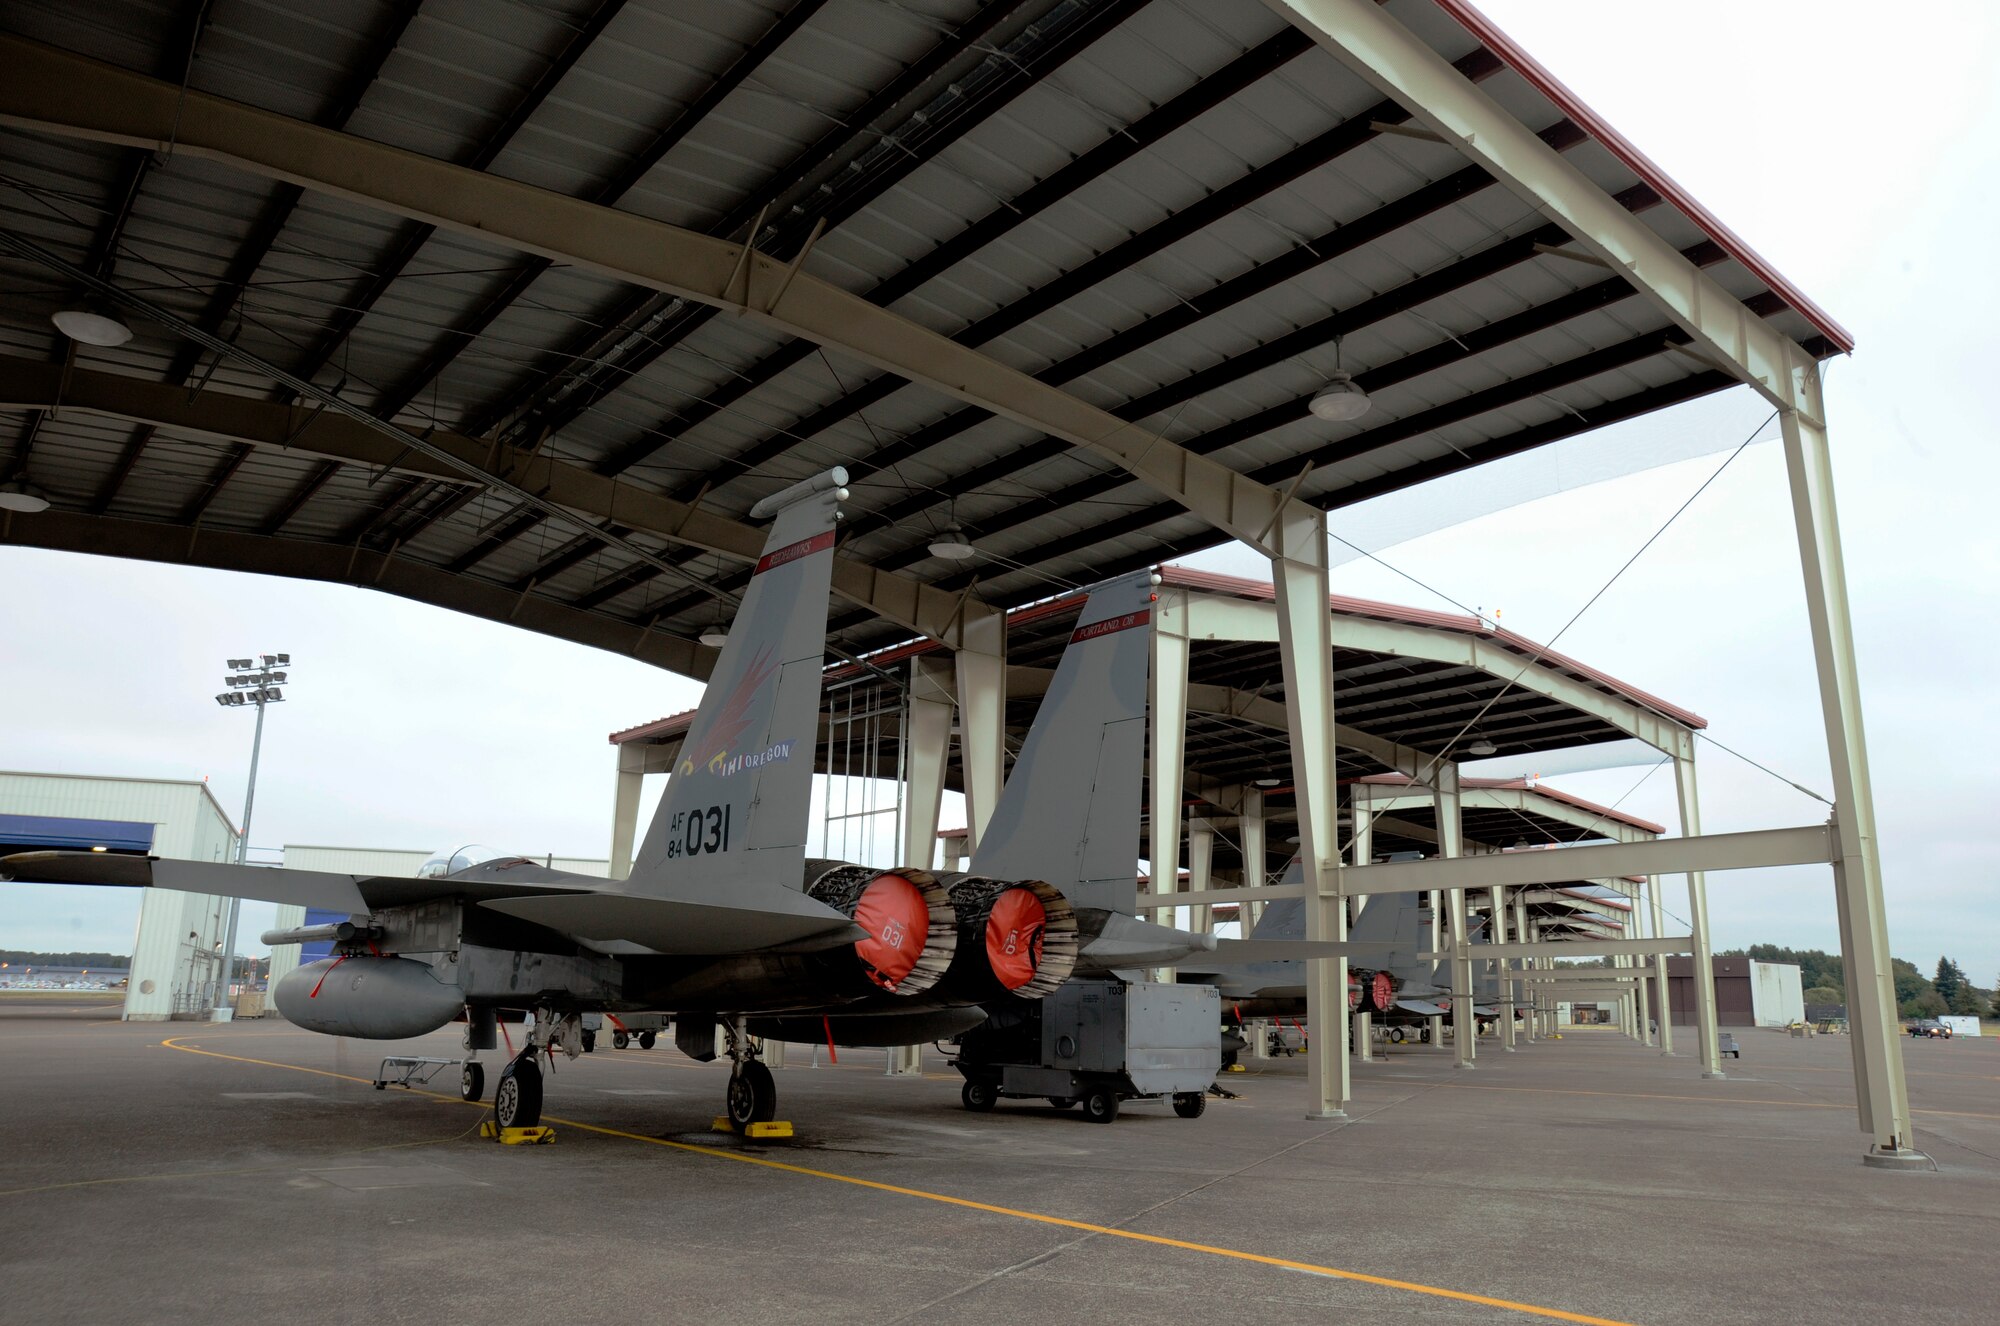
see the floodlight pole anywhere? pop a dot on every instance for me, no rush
(263, 692)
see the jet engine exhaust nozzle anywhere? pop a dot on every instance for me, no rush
(912, 929)
(1015, 937)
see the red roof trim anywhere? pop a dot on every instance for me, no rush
(1188, 578)
(1214, 582)
(1523, 785)
(1531, 69)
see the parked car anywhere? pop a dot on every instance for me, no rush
(1930, 1029)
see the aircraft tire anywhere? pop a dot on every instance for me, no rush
(517, 1101)
(472, 1082)
(646, 1039)
(1396, 1035)
(1100, 1105)
(1190, 1104)
(589, 1042)
(753, 1095)
(619, 1040)
(979, 1097)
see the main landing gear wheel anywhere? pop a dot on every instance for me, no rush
(1101, 1105)
(1190, 1104)
(517, 1102)
(589, 1041)
(753, 1095)
(619, 1040)
(979, 1096)
(1397, 1036)
(472, 1082)
(646, 1039)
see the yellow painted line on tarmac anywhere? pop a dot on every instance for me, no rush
(1705, 1100)
(1035, 1217)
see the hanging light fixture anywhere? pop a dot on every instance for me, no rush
(1342, 398)
(16, 495)
(91, 326)
(715, 637)
(952, 545)
(1481, 748)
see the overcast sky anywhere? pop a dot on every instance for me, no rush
(1858, 156)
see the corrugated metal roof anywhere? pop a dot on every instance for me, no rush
(1181, 210)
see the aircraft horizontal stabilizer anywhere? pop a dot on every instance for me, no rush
(1126, 941)
(766, 920)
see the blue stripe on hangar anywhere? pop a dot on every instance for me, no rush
(31, 833)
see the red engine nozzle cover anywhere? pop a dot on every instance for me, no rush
(1014, 937)
(893, 912)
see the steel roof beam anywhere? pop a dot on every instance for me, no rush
(1757, 849)
(53, 91)
(365, 568)
(249, 257)
(1519, 800)
(669, 136)
(1367, 39)
(1453, 350)
(1343, 138)
(1453, 276)
(376, 283)
(1590, 364)
(966, 104)
(1118, 147)
(254, 423)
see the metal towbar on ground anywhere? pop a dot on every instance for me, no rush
(407, 1071)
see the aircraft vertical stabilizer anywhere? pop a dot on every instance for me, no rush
(737, 805)
(1069, 814)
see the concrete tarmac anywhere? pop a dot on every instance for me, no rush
(179, 1172)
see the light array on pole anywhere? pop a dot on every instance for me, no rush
(257, 681)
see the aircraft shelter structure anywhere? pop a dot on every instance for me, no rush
(520, 313)
(1230, 822)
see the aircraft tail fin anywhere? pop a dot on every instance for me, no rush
(1069, 814)
(737, 805)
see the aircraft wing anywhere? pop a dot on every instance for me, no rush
(775, 919)
(325, 890)
(1423, 1007)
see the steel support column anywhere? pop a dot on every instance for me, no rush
(1250, 832)
(625, 808)
(1305, 647)
(1857, 874)
(1201, 870)
(926, 753)
(1498, 934)
(1661, 985)
(1704, 966)
(981, 663)
(1169, 763)
(1521, 935)
(1360, 852)
(1641, 995)
(1451, 846)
